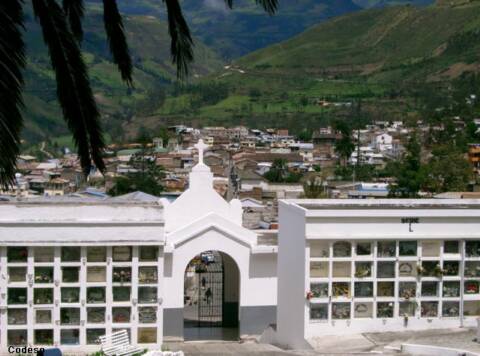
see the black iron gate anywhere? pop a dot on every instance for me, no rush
(210, 275)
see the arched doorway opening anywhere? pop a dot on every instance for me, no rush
(211, 297)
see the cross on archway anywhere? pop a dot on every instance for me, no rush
(201, 146)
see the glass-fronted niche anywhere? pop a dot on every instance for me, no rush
(319, 311)
(391, 248)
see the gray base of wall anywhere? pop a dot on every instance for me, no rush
(253, 320)
(173, 322)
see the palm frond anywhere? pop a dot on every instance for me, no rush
(12, 62)
(182, 43)
(269, 6)
(117, 39)
(73, 87)
(74, 10)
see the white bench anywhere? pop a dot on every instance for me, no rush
(118, 344)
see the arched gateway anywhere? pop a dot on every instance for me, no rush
(201, 223)
(211, 295)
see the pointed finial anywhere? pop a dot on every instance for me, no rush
(200, 146)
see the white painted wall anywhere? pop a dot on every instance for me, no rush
(291, 315)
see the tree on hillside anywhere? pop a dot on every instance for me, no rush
(279, 173)
(146, 177)
(313, 188)
(62, 32)
(447, 171)
(344, 146)
(408, 172)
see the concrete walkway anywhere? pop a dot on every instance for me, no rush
(364, 344)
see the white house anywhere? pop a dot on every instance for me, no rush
(353, 266)
(382, 142)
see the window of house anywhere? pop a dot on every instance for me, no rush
(450, 309)
(70, 295)
(43, 316)
(429, 309)
(121, 314)
(43, 254)
(318, 269)
(70, 274)
(407, 269)
(385, 269)
(95, 315)
(17, 296)
(122, 274)
(319, 290)
(122, 254)
(363, 289)
(96, 274)
(43, 274)
(121, 294)
(319, 248)
(363, 269)
(385, 289)
(471, 287)
(148, 315)
(96, 254)
(431, 269)
(451, 247)
(96, 295)
(17, 337)
(147, 275)
(342, 249)
(148, 253)
(341, 289)
(17, 316)
(450, 268)
(363, 310)
(43, 296)
(342, 269)
(471, 308)
(340, 310)
(472, 269)
(147, 294)
(407, 290)
(43, 336)
(429, 289)
(431, 248)
(70, 254)
(70, 336)
(472, 248)
(17, 274)
(70, 316)
(386, 248)
(17, 254)
(407, 248)
(451, 289)
(93, 336)
(408, 308)
(364, 248)
(385, 310)
(147, 335)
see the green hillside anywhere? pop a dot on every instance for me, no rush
(149, 43)
(382, 44)
(381, 56)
